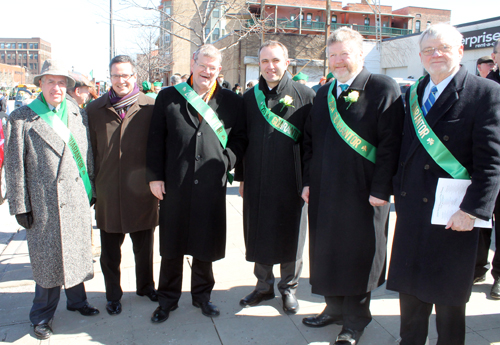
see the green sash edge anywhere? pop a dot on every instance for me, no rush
(351, 138)
(62, 130)
(207, 113)
(277, 122)
(431, 143)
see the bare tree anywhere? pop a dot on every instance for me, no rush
(151, 64)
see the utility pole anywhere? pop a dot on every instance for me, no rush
(111, 32)
(262, 19)
(375, 6)
(327, 34)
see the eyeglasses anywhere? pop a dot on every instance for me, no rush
(204, 68)
(441, 49)
(122, 76)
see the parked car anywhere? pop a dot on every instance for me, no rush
(404, 85)
(3, 185)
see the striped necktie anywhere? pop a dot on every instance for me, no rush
(344, 87)
(430, 101)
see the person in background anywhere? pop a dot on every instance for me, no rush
(485, 65)
(175, 79)
(321, 82)
(146, 88)
(84, 91)
(224, 83)
(301, 78)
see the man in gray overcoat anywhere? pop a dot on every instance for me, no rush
(49, 171)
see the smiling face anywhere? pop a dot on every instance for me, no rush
(345, 60)
(444, 60)
(205, 71)
(123, 78)
(273, 64)
(53, 88)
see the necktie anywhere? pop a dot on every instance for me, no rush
(344, 87)
(430, 101)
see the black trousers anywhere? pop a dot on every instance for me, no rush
(170, 284)
(450, 322)
(111, 257)
(46, 300)
(353, 310)
(482, 264)
(290, 274)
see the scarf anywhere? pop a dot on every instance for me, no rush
(121, 104)
(208, 95)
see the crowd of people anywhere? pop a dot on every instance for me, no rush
(328, 157)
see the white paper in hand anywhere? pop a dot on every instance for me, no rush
(449, 195)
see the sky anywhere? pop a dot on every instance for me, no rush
(78, 30)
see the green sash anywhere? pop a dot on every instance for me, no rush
(207, 113)
(431, 143)
(277, 122)
(65, 134)
(358, 144)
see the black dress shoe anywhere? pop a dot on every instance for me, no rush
(495, 289)
(161, 314)
(479, 279)
(207, 308)
(43, 331)
(290, 304)
(114, 307)
(348, 337)
(86, 310)
(153, 296)
(255, 298)
(321, 320)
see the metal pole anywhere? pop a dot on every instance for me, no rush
(327, 33)
(262, 19)
(111, 38)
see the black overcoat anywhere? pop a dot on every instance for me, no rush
(190, 159)
(274, 222)
(434, 264)
(347, 235)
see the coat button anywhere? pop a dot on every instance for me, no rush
(61, 180)
(199, 134)
(198, 157)
(446, 138)
(426, 167)
(425, 200)
(62, 205)
(403, 193)
(76, 179)
(402, 164)
(195, 181)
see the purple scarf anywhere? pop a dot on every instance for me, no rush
(121, 104)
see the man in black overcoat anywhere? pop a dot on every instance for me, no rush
(434, 264)
(274, 216)
(347, 178)
(187, 166)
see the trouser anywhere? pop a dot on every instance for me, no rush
(170, 283)
(482, 264)
(450, 322)
(111, 256)
(290, 274)
(46, 300)
(353, 310)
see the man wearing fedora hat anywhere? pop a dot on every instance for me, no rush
(83, 92)
(49, 173)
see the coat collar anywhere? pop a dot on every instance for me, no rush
(280, 88)
(104, 102)
(359, 83)
(213, 103)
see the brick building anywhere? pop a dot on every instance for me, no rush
(29, 53)
(422, 17)
(11, 76)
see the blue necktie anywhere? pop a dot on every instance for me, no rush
(430, 101)
(344, 87)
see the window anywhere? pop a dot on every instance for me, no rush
(3, 56)
(334, 18)
(216, 13)
(31, 45)
(19, 46)
(7, 45)
(36, 66)
(167, 40)
(309, 18)
(367, 21)
(216, 34)
(8, 56)
(31, 56)
(36, 56)
(2, 45)
(25, 46)
(36, 45)
(417, 26)
(31, 66)
(316, 19)
(24, 56)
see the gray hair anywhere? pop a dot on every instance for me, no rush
(495, 46)
(442, 31)
(271, 43)
(210, 51)
(175, 79)
(123, 59)
(345, 34)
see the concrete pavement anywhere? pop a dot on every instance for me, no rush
(266, 324)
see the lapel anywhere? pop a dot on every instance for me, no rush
(358, 84)
(134, 108)
(448, 97)
(106, 103)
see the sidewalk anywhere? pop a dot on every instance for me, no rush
(266, 324)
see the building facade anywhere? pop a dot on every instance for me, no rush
(29, 53)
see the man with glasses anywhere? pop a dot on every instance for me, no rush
(193, 142)
(119, 124)
(451, 135)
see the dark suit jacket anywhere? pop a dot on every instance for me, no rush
(429, 262)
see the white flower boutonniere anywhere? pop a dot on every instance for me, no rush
(352, 97)
(287, 102)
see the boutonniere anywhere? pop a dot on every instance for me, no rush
(352, 97)
(287, 102)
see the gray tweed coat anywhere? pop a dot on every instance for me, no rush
(42, 178)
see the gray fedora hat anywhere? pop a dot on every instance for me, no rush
(55, 67)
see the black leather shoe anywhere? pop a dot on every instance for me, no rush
(255, 298)
(348, 337)
(86, 310)
(114, 307)
(321, 320)
(495, 289)
(153, 296)
(43, 331)
(207, 308)
(290, 304)
(479, 279)
(161, 314)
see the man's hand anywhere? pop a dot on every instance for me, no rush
(376, 201)
(240, 190)
(460, 221)
(25, 220)
(305, 194)
(157, 188)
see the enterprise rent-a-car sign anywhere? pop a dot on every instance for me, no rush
(480, 38)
